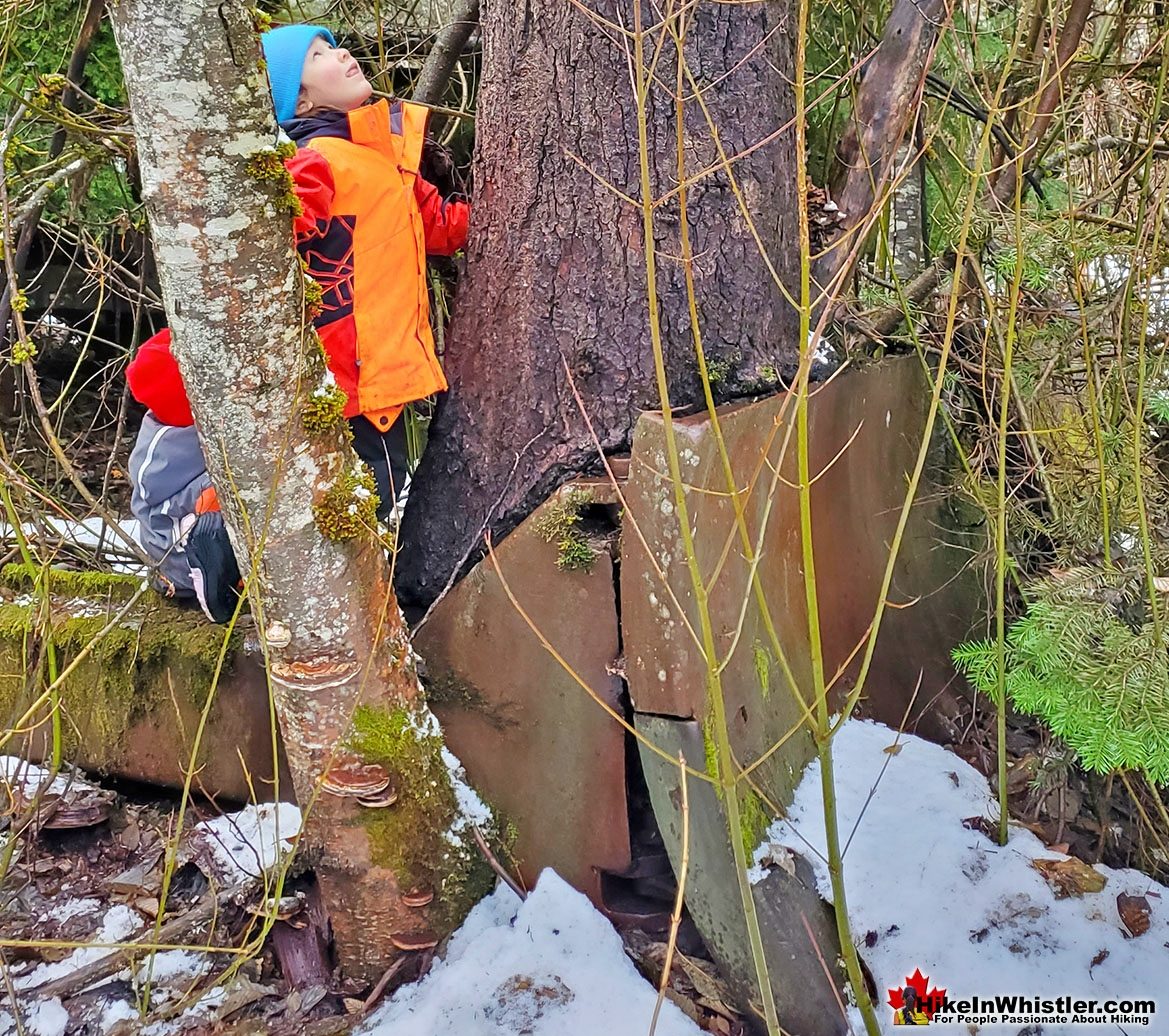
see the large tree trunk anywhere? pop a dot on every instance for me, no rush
(342, 678)
(556, 263)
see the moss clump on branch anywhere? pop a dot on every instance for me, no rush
(267, 166)
(129, 671)
(559, 523)
(314, 297)
(349, 508)
(418, 838)
(324, 409)
(754, 820)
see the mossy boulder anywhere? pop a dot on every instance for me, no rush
(122, 659)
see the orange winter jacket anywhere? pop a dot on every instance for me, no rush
(369, 220)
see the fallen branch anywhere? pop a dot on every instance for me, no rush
(171, 932)
(495, 865)
(880, 323)
(375, 994)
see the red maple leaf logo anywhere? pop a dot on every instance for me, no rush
(927, 1003)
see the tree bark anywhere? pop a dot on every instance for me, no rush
(556, 263)
(342, 675)
(887, 105)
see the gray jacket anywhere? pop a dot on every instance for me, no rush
(167, 473)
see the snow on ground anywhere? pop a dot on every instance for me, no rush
(976, 918)
(233, 846)
(23, 779)
(88, 534)
(247, 843)
(119, 925)
(549, 966)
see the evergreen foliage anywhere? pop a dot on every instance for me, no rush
(1090, 662)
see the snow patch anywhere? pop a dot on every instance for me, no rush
(119, 924)
(472, 809)
(550, 966)
(48, 1018)
(976, 917)
(248, 843)
(71, 908)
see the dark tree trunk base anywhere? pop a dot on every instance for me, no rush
(556, 274)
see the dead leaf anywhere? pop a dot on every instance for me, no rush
(980, 824)
(1100, 958)
(353, 1005)
(1135, 913)
(1070, 877)
(1161, 584)
(706, 983)
(130, 836)
(893, 749)
(779, 856)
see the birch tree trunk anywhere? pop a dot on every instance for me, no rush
(342, 675)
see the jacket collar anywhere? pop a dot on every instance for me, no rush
(325, 124)
(363, 125)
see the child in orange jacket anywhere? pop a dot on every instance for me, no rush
(369, 220)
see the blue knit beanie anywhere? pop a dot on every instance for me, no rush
(284, 51)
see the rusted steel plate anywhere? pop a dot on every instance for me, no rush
(535, 744)
(865, 430)
(805, 999)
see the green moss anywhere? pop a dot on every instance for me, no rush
(445, 687)
(51, 86)
(709, 748)
(154, 652)
(23, 350)
(574, 553)
(267, 166)
(559, 523)
(411, 838)
(753, 816)
(717, 370)
(754, 820)
(314, 298)
(763, 670)
(324, 409)
(262, 20)
(349, 507)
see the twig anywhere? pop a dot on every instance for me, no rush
(375, 994)
(494, 863)
(676, 916)
(824, 966)
(35, 201)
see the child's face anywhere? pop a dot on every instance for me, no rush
(331, 80)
